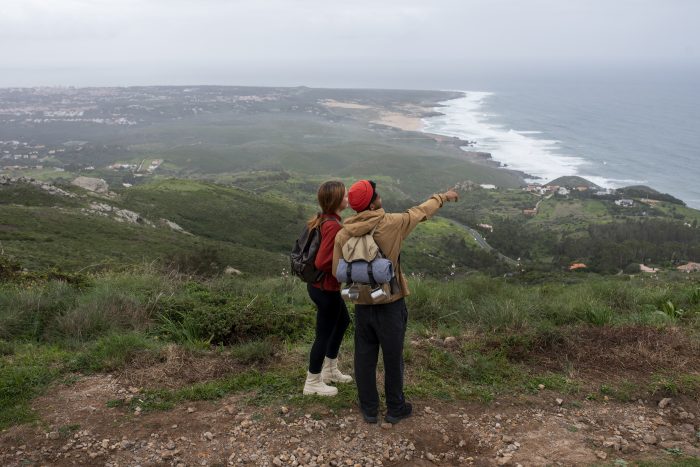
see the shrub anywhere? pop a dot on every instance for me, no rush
(500, 314)
(9, 269)
(670, 311)
(694, 297)
(617, 295)
(111, 352)
(598, 315)
(27, 312)
(53, 310)
(101, 314)
(6, 348)
(255, 351)
(224, 318)
(430, 304)
(205, 261)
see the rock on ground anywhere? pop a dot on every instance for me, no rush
(96, 185)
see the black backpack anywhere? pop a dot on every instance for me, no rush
(304, 253)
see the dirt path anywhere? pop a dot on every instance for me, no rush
(78, 428)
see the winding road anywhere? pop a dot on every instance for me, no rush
(481, 241)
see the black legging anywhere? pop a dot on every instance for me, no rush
(332, 319)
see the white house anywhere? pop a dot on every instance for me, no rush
(625, 203)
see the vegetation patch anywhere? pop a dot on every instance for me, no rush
(604, 352)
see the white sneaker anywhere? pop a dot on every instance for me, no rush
(314, 385)
(331, 374)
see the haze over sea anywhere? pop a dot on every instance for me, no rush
(616, 130)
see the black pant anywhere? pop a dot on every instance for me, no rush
(332, 319)
(380, 326)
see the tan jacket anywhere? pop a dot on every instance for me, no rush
(391, 231)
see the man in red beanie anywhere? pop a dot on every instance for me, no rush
(382, 324)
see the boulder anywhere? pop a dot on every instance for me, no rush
(96, 185)
(174, 226)
(232, 271)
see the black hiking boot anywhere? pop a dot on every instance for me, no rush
(369, 418)
(397, 417)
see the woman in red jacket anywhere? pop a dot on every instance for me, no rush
(332, 318)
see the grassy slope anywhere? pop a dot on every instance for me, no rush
(482, 206)
(220, 213)
(28, 195)
(42, 237)
(252, 232)
(46, 231)
(255, 225)
(572, 215)
(426, 250)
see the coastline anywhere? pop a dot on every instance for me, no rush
(411, 115)
(412, 118)
(547, 157)
(465, 146)
(465, 115)
(461, 129)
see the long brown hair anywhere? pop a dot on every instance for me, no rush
(330, 197)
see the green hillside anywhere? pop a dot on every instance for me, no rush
(54, 231)
(236, 227)
(573, 182)
(249, 221)
(220, 213)
(40, 237)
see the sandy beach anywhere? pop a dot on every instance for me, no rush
(407, 118)
(402, 121)
(344, 105)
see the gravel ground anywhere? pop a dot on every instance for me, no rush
(77, 428)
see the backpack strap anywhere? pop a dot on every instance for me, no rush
(323, 220)
(380, 253)
(370, 274)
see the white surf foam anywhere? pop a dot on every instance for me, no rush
(517, 149)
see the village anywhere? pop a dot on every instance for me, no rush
(29, 117)
(573, 189)
(120, 106)
(561, 190)
(24, 156)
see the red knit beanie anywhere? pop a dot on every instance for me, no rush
(360, 195)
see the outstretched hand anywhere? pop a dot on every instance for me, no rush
(452, 195)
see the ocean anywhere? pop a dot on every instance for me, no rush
(610, 130)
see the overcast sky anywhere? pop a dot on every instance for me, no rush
(332, 43)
